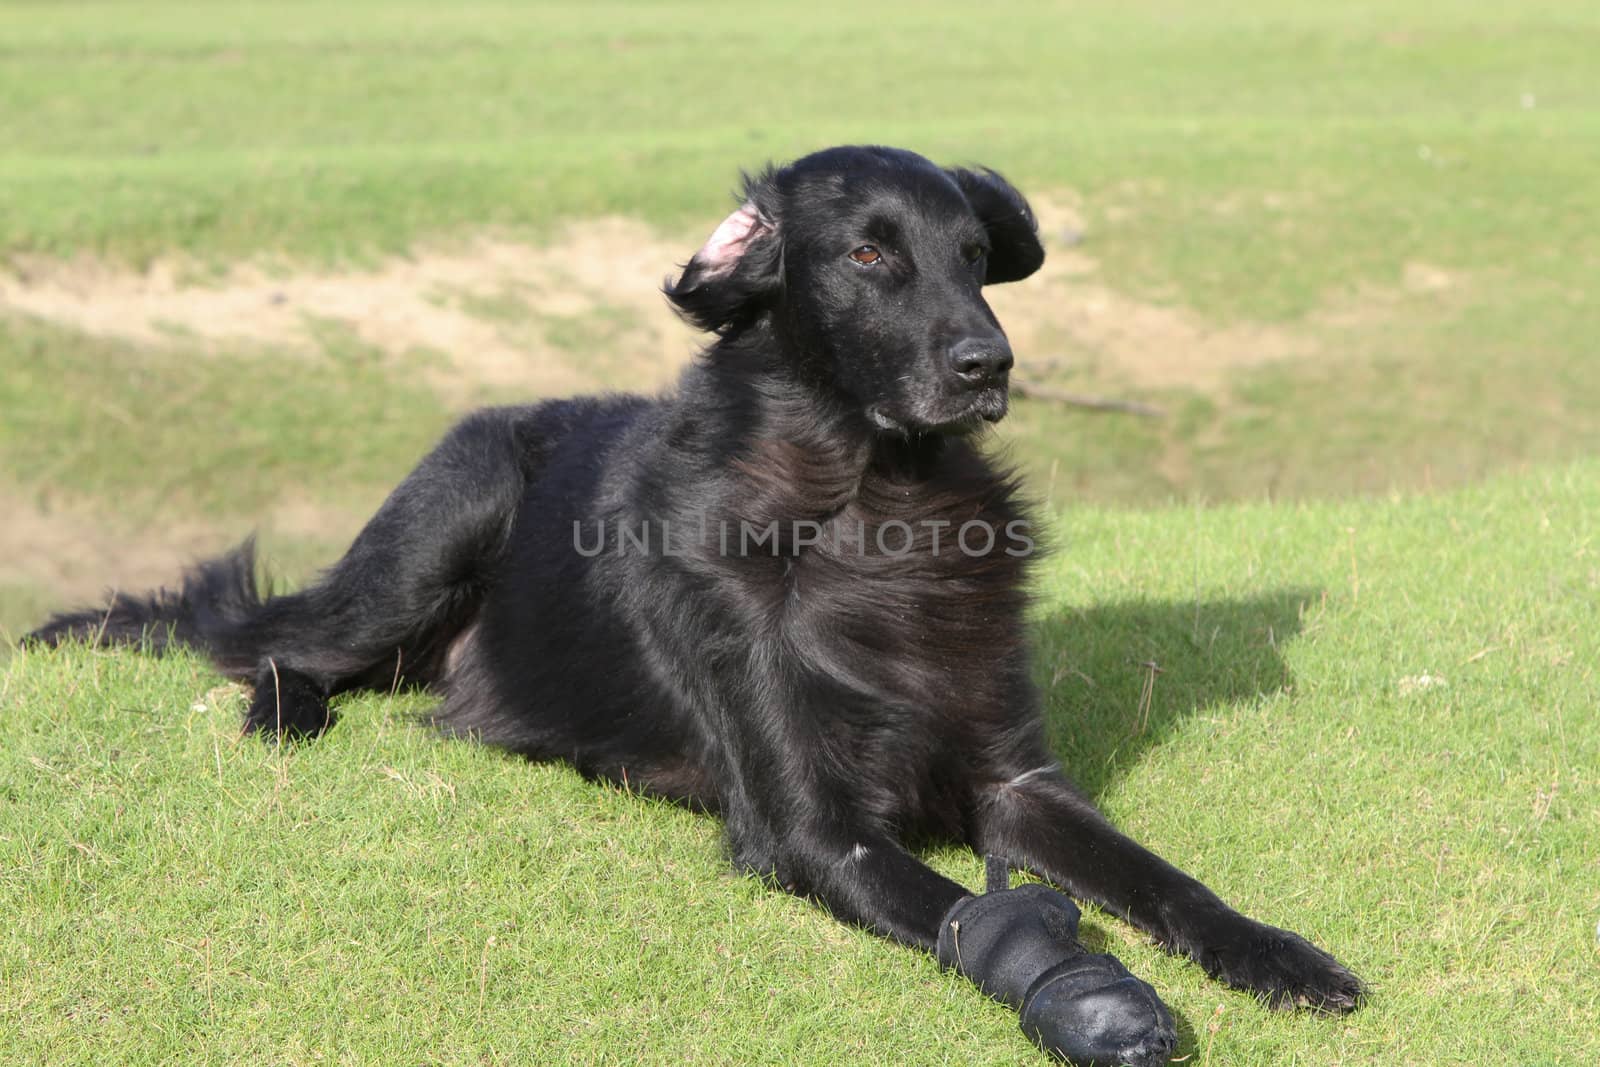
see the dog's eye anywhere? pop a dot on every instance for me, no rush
(971, 253)
(866, 255)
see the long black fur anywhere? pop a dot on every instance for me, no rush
(829, 696)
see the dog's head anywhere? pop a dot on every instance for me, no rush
(870, 263)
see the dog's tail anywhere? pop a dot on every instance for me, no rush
(213, 612)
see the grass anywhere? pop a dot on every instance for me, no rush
(1251, 164)
(178, 430)
(1402, 194)
(334, 131)
(1435, 393)
(176, 893)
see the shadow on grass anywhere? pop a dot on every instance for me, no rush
(1120, 678)
(1105, 704)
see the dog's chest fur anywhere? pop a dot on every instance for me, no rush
(900, 568)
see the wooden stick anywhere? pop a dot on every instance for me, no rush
(1109, 405)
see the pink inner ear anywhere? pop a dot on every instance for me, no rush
(727, 243)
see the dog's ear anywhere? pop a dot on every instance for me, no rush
(735, 273)
(1015, 250)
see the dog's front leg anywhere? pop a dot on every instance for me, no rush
(1035, 818)
(860, 874)
(794, 812)
(1019, 946)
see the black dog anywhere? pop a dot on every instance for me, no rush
(791, 593)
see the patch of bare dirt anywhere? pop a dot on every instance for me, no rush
(1419, 277)
(75, 552)
(78, 555)
(1066, 314)
(500, 315)
(477, 304)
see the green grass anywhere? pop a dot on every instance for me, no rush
(178, 430)
(333, 130)
(1440, 392)
(1249, 162)
(177, 894)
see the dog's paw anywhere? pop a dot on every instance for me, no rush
(1089, 1011)
(1284, 969)
(287, 705)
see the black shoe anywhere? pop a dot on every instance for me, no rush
(1021, 946)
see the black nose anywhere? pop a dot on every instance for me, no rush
(979, 360)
